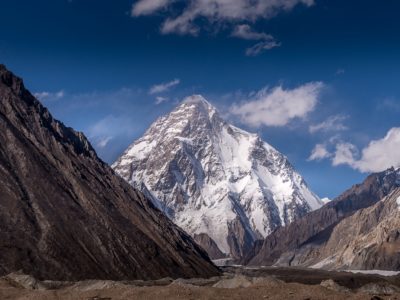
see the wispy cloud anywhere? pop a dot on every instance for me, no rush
(103, 141)
(340, 71)
(160, 99)
(261, 47)
(187, 17)
(278, 106)
(106, 129)
(147, 7)
(182, 17)
(49, 96)
(332, 123)
(163, 87)
(267, 41)
(389, 103)
(244, 31)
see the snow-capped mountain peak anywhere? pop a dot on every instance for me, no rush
(216, 181)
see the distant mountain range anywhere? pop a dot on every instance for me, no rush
(65, 215)
(224, 186)
(358, 230)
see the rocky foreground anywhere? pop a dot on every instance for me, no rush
(235, 283)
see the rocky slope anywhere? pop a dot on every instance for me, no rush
(358, 230)
(224, 186)
(65, 215)
(369, 239)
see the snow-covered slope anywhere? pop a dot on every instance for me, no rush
(213, 178)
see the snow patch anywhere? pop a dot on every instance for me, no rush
(323, 263)
(325, 200)
(184, 140)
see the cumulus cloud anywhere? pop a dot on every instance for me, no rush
(267, 41)
(186, 13)
(332, 123)
(379, 155)
(163, 87)
(344, 154)
(49, 96)
(278, 106)
(319, 152)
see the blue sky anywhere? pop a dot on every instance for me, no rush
(333, 67)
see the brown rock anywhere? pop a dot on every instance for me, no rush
(209, 245)
(302, 242)
(65, 215)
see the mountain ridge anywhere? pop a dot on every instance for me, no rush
(312, 239)
(66, 215)
(213, 178)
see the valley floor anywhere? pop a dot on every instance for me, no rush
(236, 283)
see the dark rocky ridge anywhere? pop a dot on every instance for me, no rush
(209, 245)
(65, 215)
(301, 242)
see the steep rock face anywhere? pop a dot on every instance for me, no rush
(213, 178)
(311, 241)
(369, 239)
(209, 244)
(65, 215)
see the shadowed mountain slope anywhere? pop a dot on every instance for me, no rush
(65, 214)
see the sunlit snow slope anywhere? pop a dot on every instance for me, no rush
(223, 185)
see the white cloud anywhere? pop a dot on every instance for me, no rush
(245, 32)
(332, 123)
(344, 154)
(107, 129)
(379, 155)
(277, 106)
(103, 141)
(261, 47)
(319, 152)
(48, 96)
(160, 100)
(268, 42)
(163, 87)
(147, 7)
(186, 13)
